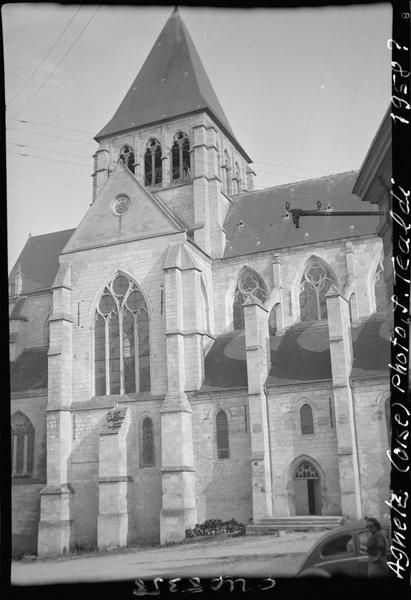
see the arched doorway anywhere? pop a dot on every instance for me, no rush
(307, 489)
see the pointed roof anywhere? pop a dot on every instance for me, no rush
(171, 82)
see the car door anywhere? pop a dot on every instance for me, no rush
(338, 555)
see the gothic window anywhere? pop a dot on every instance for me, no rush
(388, 419)
(314, 286)
(22, 445)
(121, 338)
(222, 435)
(180, 156)
(152, 163)
(147, 453)
(306, 470)
(380, 290)
(227, 173)
(306, 419)
(237, 179)
(46, 330)
(249, 286)
(127, 156)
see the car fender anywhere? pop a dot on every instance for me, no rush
(314, 572)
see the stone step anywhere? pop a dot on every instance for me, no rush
(272, 525)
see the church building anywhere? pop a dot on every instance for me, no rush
(187, 353)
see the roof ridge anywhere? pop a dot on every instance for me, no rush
(300, 181)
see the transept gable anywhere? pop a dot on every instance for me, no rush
(123, 210)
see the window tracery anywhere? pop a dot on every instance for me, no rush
(249, 286)
(122, 350)
(314, 286)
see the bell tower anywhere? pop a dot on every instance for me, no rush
(172, 133)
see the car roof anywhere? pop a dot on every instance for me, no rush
(350, 525)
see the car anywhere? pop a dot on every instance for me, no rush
(342, 551)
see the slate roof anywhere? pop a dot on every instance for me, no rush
(171, 82)
(39, 260)
(255, 220)
(302, 354)
(29, 370)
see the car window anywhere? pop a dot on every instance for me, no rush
(338, 545)
(363, 539)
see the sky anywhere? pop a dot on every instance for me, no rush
(304, 90)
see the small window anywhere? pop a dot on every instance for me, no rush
(147, 453)
(339, 545)
(153, 172)
(127, 156)
(222, 435)
(180, 157)
(22, 445)
(306, 418)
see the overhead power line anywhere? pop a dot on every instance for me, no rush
(53, 126)
(49, 150)
(60, 137)
(25, 155)
(48, 53)
(60, 61)
(261, 162)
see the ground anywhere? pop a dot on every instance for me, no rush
(247, 556)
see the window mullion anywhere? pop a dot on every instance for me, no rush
(120, 324)
(136, 353)
(25, 452)
(107, 353)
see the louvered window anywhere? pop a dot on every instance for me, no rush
(127, 156)
(180, 157)
(153, 172)
(147, 453)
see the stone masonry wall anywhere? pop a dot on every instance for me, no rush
(373, 443)
(225, 275)
(288, 444)
(25, 499)
(223, 486)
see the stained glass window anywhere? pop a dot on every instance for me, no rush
(180, 156)
(147, 456)
(249, 286)
(306, 419)
(22, 445)
(314, 286)
(153, 172)
(222, 435)
(121, 339)
(127, 156)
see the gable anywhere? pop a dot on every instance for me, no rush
(145, 216)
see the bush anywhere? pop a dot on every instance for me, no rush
(214, 526)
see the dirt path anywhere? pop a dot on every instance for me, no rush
(248, 556)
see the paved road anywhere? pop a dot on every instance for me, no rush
(260, 556)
